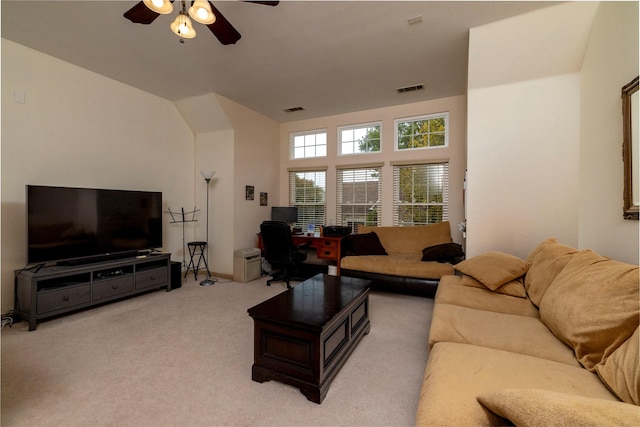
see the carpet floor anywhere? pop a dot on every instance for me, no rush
(183, 358)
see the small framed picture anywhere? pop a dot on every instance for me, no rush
(263, 199)
(248, 192)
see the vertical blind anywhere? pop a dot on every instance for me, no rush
(358, 197)
(308, 192)
(420, 194)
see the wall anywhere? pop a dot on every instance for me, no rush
(78, 128)
(611, 62)
(454, 153)
(523, 146)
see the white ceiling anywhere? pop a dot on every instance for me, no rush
(327, 57)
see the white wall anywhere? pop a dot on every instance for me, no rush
(454, 153)
(523, 145)
(78, 128)
(610, 63)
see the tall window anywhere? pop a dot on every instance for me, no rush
(308, 192)
(422, 132)
(420, 194)
(358, 196)
(359, 139)
(310, 144)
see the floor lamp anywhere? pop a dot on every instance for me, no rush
(207, 177)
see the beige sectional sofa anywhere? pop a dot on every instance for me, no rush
(392, 257)
(550, 340)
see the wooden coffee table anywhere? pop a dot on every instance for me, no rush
(304, 335)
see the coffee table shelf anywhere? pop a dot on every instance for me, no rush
(304, 335)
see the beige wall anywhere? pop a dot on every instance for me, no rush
(454, 153)
(544, 144)
(610, 63)
(78, 128)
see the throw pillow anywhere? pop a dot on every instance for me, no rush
(446, 252)
(364, 244)
(532, 407)
(592, 306)
(621, 373)
(493, 269)
(514, 288)
(547, 260)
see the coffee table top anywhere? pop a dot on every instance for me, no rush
(312, 303)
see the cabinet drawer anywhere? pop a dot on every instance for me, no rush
(328, 249)
(110, 287)
(152, 278)
(63, 298)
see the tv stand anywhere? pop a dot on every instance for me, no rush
(54, 290)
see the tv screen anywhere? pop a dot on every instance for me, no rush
(72, 223)
(286, 214)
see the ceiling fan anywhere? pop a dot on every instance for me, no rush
(203, 11)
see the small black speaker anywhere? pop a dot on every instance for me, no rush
(176, 274)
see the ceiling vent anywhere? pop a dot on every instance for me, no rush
(293, 109)
(410, 88)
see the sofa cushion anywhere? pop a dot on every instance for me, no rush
(410, 240)
(444, 252)
(493, 269)
(457, 373)
(450, 291)
(620, 372)
(518, 334)
(592, 305)
(515, 288)
(534, 407)
(547, 259)
(363, 244)
(408, 265)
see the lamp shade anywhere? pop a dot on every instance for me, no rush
(182, 27)
(159, 6)
(207, 175)
(201, 12)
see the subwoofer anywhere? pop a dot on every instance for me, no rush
(176, 274)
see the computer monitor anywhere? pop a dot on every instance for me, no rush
(288, 214)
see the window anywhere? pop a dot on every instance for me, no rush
(359, 139)
(422, 132)
(358, 196)
(420, 194)
(310, 144)
(307, 191)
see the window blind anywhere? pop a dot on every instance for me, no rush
(358, 196)
(307, 192)
(420, 194)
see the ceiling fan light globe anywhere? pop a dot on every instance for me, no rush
(182, 27)
(201, 12)
(159, 6)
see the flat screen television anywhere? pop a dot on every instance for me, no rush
(288, 214)
(67, 224)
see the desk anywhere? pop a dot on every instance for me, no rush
(326, 247)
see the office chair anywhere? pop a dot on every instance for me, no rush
(280, 251)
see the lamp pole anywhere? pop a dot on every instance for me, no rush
(207, 177)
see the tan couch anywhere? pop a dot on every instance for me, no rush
(550, 340)
(402, 268)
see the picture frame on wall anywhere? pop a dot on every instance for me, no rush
(249, 192)
(263, 199)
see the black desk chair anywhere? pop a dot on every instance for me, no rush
(280, 251)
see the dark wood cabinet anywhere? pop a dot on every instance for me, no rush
(55, 290)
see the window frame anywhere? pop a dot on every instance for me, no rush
(397, 204)
(444, 115)
(370, 205)
(303, 218)
(356, 126)
(315, 133)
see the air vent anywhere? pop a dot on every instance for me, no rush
(415, 20)
(291, 110)
(410, 88)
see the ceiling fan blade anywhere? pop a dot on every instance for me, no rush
(266, 3)
(141, 14)
(222, 29)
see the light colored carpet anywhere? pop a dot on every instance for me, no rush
(183, 358)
